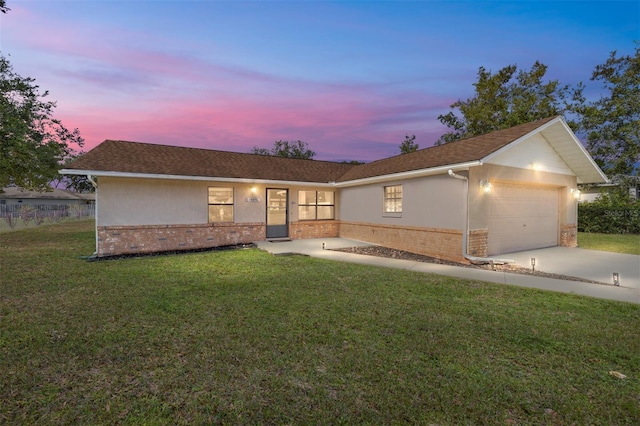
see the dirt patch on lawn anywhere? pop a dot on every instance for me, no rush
(169, 252)
(380, 251)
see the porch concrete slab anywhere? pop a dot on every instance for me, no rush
(577, 262)
(313, 247)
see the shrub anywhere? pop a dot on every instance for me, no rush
(610, 214)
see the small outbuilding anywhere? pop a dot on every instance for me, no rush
(510, 190)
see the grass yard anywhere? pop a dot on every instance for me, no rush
(617, 243)
(244, 337)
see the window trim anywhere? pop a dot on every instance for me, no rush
(316, 205)
(232, 204)
(395, 200)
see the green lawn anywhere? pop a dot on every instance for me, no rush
(617, 243)
(244, 337)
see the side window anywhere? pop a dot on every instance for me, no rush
(393, 199)
(316, 205)
(220, 204)
(326, 205)
(307, 205)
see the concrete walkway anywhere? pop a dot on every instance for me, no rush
(314, 248)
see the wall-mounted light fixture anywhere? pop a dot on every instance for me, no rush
(535, 166)
(486, 186)
(254, 190)
(576, 193)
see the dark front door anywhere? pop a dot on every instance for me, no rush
(277, 223)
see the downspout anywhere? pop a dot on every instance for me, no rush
(472, 259)
(95, 186)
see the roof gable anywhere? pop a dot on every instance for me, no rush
(533, 153)
(565, 145)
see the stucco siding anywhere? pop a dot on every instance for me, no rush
(127, 201)
(433, 202)
(431, 222)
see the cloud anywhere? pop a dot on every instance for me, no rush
(121, 85)
(335, 125)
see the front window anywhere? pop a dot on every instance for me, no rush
(393, 199)
(220, 204)
(316, 205)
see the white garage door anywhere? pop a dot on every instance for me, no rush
(522, 218)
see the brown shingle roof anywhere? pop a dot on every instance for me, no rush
(143, 158)
(462, 151)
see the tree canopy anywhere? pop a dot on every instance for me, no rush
(505, 99)
(33, 144)
(611, 125)
(77, 183)
(409, 144)
(297, 149)
(3, 6)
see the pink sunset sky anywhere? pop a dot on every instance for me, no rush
(349, 78)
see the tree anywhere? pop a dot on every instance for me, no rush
(506, 99)
(409, 144)
(77, 183)
(611, 125)
(33, 144)
(297, 149)
(3, 6)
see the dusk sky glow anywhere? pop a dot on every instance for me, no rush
(349, 78)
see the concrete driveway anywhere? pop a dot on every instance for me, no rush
(590, 264)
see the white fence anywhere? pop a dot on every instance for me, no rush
(19, 216)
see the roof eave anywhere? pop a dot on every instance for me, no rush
(408, 175)
(100, 173)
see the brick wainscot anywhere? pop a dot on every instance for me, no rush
(435, 242)
(569, 235)
(478, 243)
(117, 240)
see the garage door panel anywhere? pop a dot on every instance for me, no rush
(520, 226)
(530, 208)
(522, 218)
(528, 237)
